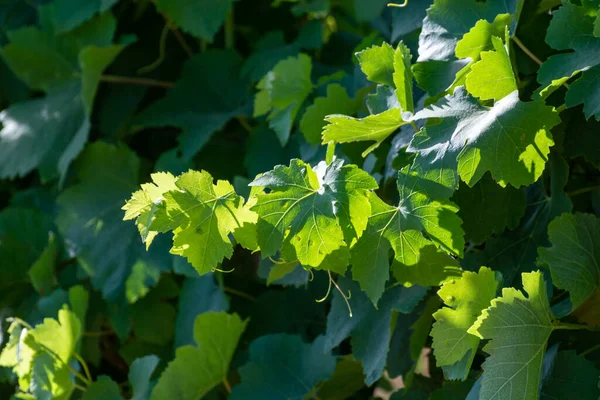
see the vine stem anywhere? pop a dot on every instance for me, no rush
(83, 365)
(239, 293)
(76, 386)
(573, 327)
(179, 37)
(583, 190)
(590, 350)
(526, 50)
(398, 5)
(230, 31)
(128, 80)
(227, 385)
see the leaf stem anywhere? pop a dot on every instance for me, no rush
(573, 327)
(239, 293)
(162, 51)
(590, 350)
(230, 31)
(83, 365)
(227, 385)
(583, 190)
(76, 386)
(526, 50)
(398, 5)
(97, 334)
(561, 108)
(20, 321)
(179, 37)
(244, 123)
(128, 80)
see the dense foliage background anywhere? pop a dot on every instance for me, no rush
(469, 137)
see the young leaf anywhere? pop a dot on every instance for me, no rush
(144, 203)
(202, 215)
(282, 92)
(283, 367)
(377, 127)
(512, 140)
(466, 298)
(217, 336)
(518, 328)
(480, 37)
(492, 78)
(573, 257)
(315, 214)
(336, 102)
(377, 63)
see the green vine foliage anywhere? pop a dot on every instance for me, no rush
(300, 199)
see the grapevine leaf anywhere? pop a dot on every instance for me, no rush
(369, 327)
(50, 379)
(466, 298)
(336, 101)
(140, 372)
(283, 367)
(480, 37)
(215, 74)
(201, 215)
(24, 237)
(386, 66)
(409, 18)
(282, 92)
(18, 354)
(69, 14)
(217, 336)
(41, 272)
(198, 295)
(511, 140)
(586, 91)
(378, 127)
(45, 133)
(153, 321)
(488, 209)
(106, 247)
(571, 377)
(377, 63)
(103, 389)
(492, 77)
(518, 328)
(572, 27)
(202, 19)
(401, 228)
(573, 257)
(314, 213)
(436, 77)
(47, 61)
(515, 252)
(144, 203)
(403, 77)
(447, 21)
(59, 337)
(347, 379)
